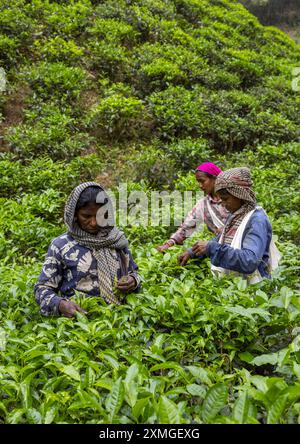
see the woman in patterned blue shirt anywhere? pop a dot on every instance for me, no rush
(92, 257)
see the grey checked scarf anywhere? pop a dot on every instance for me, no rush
(103, 245)
(237, 182)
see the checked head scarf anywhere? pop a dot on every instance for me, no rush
(103, 245)
(238, 183)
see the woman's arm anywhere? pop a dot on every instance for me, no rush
(132, 281)
(194, 218)
(47, 288)
(133, 271)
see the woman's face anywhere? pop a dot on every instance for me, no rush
(207, 184)
(87, 218)
(230, 202)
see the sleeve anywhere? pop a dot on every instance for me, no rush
(47, 288)
(133, 271)
(194, 218)
(246, 259)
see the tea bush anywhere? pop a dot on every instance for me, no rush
(178, 112)
(8, 50)
(52, 139)
(43, 174)
(114, 31)
(109, 58)
(60, 51)
(56, 79)
(189, 153)
(118, 117)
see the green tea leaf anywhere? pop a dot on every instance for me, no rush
(200, 373)
(276, 409)
(241, 408)
(71, 371)
(196, 390)
(34, 416)
(271, 358)
(2, 339)
(214, 401)
(50, 414)
(115, 399)
(138, 408)
(168, 412)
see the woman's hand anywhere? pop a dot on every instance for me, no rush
(126, 284)
(183, 258)
(69, 308)
(165, 246)
(199, 247)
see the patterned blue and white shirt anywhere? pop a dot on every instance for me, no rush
(70, 266)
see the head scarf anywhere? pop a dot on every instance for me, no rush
(103, 245)
(209, 168)
(237, 182)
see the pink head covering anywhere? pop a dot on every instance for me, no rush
(209, 168)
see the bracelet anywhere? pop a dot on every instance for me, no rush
(171, 242)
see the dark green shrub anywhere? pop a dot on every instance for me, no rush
(275, 175)
(24, 227)
(14, 22)
(228, 125)
(143, 16)
(285, 100)
(192, 10)
(172, 33)
(214, 78)
(189, 153)
(274, 127)
(154, 166)
(288, 226)
(119, 118)
(178, 112)
(57, 80)
(245, 65)
(237, 120)
(279, 44)
(8, 50)
(109, 58)
(114, 31)
(47, 131)
(67, 19)
(160, 73)
(58, 49)
(51, 133)
(236, 16)
(159, 66)
(43, 174)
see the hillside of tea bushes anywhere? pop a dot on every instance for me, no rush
(143, 91)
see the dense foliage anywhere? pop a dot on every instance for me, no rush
(142, 91)
(87, 73)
